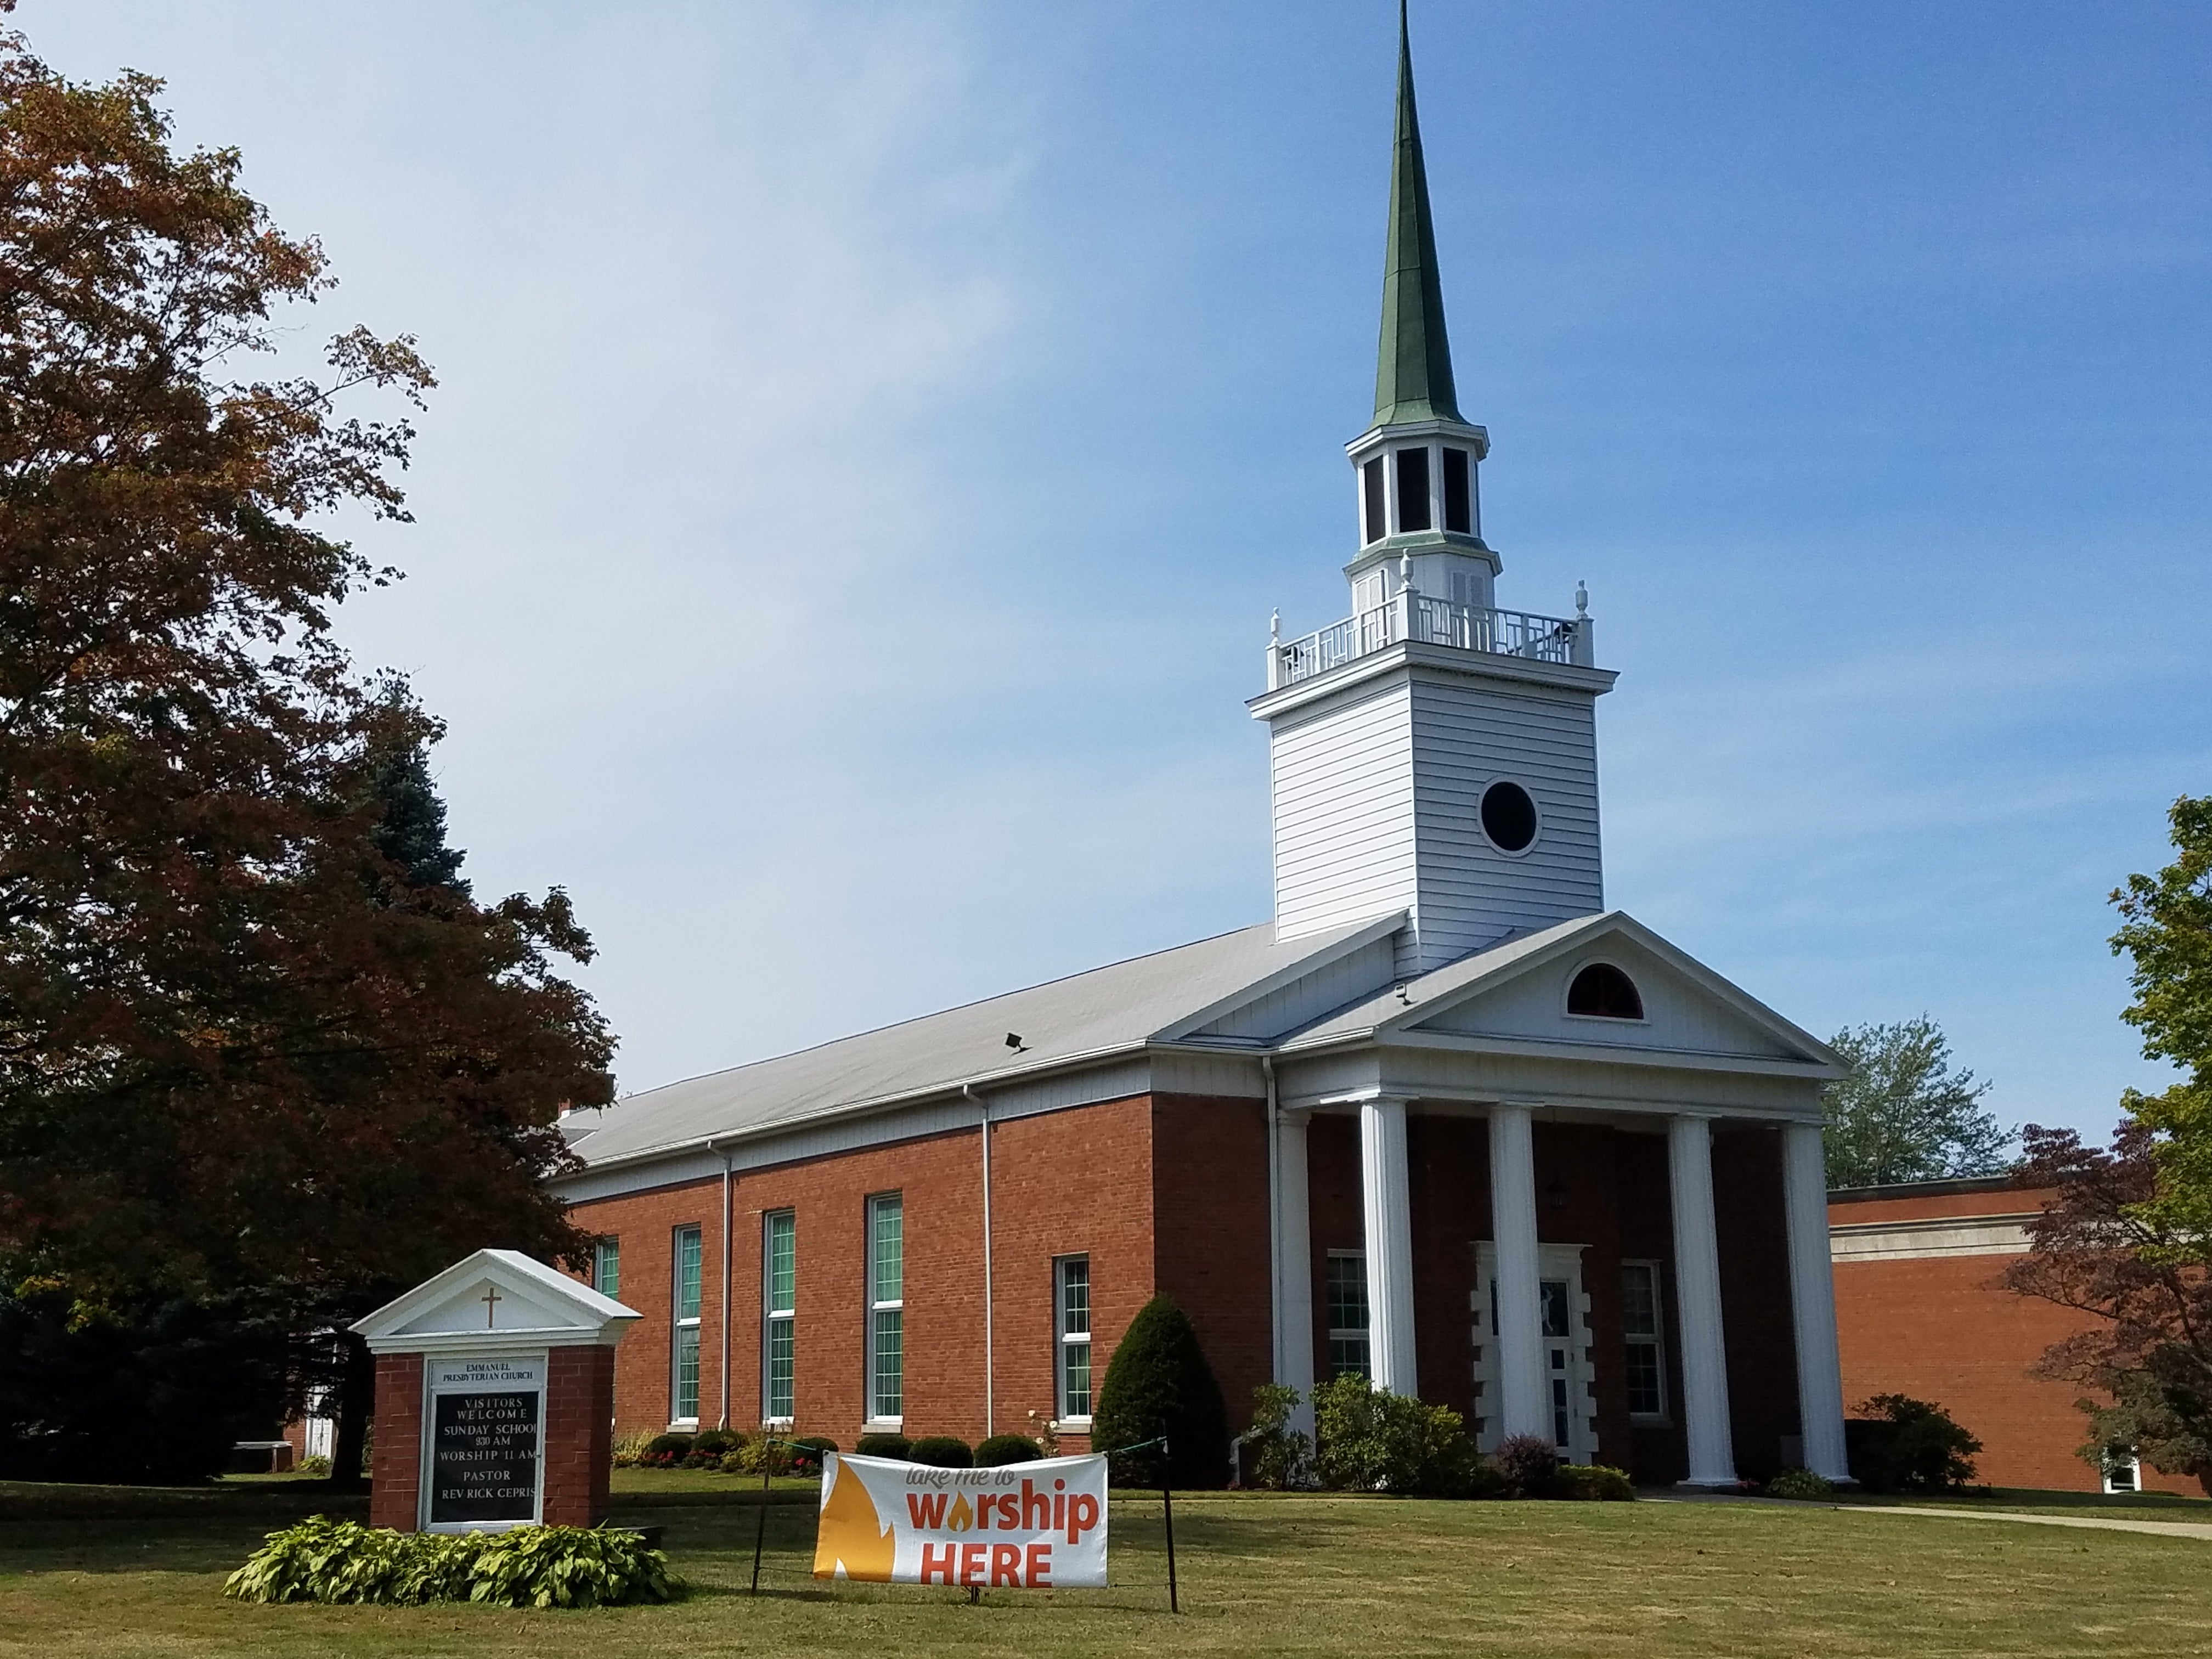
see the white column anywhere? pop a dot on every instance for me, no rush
(1523, 1406)
(1293, 1244)
(1697, 1299)
(1389, 1213)
(1813, 1300)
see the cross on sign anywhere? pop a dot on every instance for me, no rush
(491, 1299)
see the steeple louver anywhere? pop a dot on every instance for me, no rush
(1413, 373)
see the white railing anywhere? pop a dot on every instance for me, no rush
(1411, 615)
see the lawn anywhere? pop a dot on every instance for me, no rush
(1261, 1575)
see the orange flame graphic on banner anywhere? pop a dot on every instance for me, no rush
(961, 1517)
(853, 1538)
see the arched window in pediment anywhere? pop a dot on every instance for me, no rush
(1601, 991)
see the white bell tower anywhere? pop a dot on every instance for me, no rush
(1430, 753)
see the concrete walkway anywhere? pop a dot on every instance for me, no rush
(2097, 1522)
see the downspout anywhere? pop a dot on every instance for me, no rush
(729, 1215)
(1275, 1228)
(990, 1423)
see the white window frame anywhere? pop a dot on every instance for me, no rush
(1068, 1341)
(607, 1252)
(772, 1316)
(1657, 1341)
(1364, 1333)
(2132, 1463)
(682, 1325)
(877, 1203)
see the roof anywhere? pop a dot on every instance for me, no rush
(1088, 1015)
(1413, 371)
(525, 1304)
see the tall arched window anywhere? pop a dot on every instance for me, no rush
(1603, 992)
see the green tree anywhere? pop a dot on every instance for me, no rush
(2129, 1238)
(1902, 1114)
(1159, 1384)
(257, 1041)
(2168, 931)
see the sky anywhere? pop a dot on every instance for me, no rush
(872, 438)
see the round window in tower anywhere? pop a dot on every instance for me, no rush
(1509, 817)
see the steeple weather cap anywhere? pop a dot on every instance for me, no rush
(1412, 373)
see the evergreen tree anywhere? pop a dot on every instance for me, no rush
(1159, 1384)
(1902, 1114)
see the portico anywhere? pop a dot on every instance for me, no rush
(1463, 1072)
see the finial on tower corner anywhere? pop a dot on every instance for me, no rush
(1406, 570)
(1582, 599)
(1274, 628)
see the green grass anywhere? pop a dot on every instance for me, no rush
(1261, 1575)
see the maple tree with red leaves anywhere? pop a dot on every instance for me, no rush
(242, 1045)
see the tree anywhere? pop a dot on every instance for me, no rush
(1159, 1385)
(2128, 1238)
(2168, 931)
(256, 1038)
(2103, 1247)
(1901, 1113)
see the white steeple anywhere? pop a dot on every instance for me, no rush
(1430, 753)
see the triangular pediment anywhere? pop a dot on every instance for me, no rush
(1515, 995)
(496, 1298)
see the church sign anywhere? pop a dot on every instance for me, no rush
(487, 1448)
(495, 1399)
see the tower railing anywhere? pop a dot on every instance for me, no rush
(1411, 615)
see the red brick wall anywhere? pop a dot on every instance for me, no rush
(396, 1459)
(579, 1405)
(1945, 1329)
(1211, 1235)
(646, 1224)
(1077, 1181)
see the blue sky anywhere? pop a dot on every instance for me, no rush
(872, 437)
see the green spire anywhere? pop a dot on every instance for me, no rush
(1413, 375)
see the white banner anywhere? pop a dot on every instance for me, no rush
(1026, 1526)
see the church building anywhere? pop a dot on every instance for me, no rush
(1444, 1119)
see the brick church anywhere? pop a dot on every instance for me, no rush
(1444, 1120)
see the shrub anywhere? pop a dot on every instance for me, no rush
(1369, 1441)
(665, 1451)
(761, 1455)
(806, 1452)
(1799, 1483)
(1898, 1444)
(882, 1445)
(1529, 1464)
(629, 1451)
(1483, 1480)
(325, 1560)
(1001, 1449)
(568, 1567)
(1593, 1483)
(716, 1443)
(942, 1451)
(317, 1466)
(1159, 1384)
(1279, 1456)
(734, 1462)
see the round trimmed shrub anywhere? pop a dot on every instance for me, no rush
(715, 1442)
(1001, 1449)
(1594, 1483)
(882, 1445)
(942, 1451)
(669, 1445)
(1800, 1482)
(1158, 1384)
